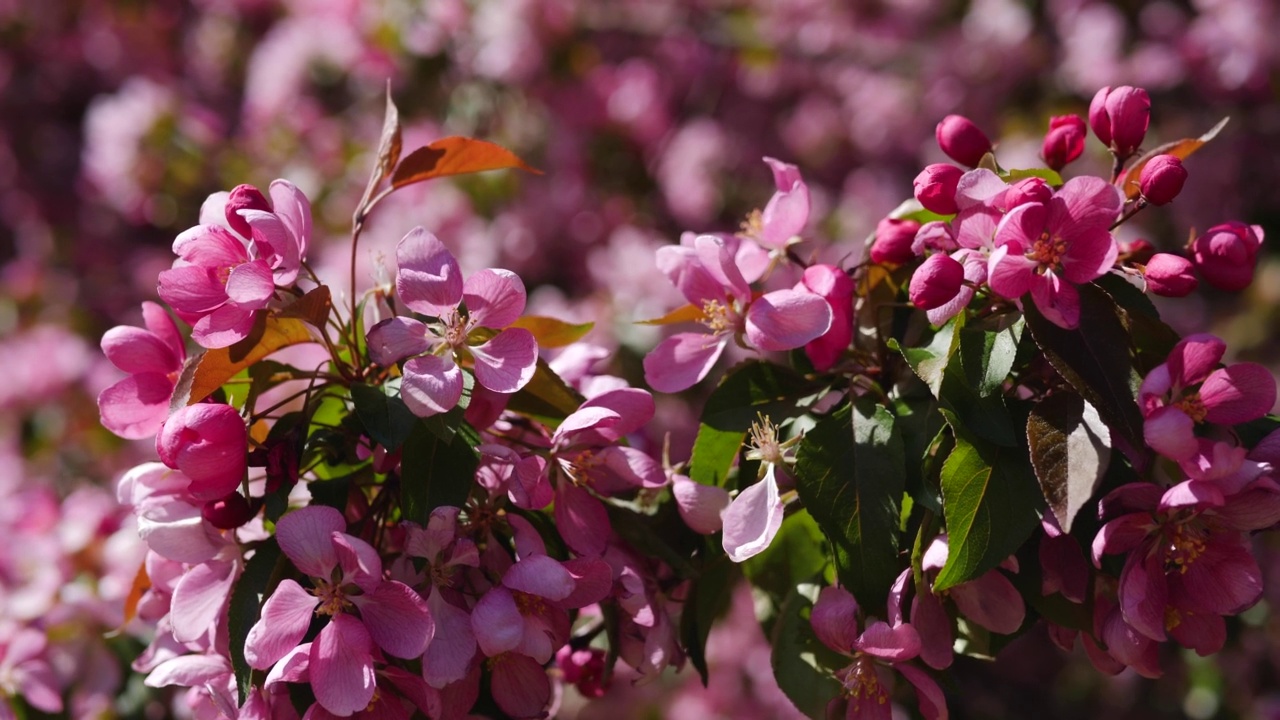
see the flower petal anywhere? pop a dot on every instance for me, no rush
(429, 280)
(520, 686)
(449, 654)
(431, 385)
(496, 622)
(681, 361)
(582, 520)
(137, 406)
(135, 350)
(199, 598)
(539, 575)
(752, 519)
(1144, 593)
(395, 339)
(991, 601)
(495, 298)
(1170, 432)
(397, 619)
(933, 704)
(285, 617)
(835, 619)
(507, 361)
(787, 319)
(306, 537)
(718, 261)
(1009, 272)
(250, 285)
(341, 666)
(897, 643)
(1238, 394)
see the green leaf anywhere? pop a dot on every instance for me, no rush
(802, 665)
(986, 353)
(546, 398)
(1095, 359)
(850, 476)
(1070, 450)
(708, 601)
(797, 554)
(989, 499)
(434, 472)
(246, 606)
(386, 418)
(748, 389)
(929, 363)
(1049, 176)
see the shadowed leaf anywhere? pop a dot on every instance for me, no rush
(455, 156)
(1070, 449)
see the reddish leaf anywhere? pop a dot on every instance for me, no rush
(1180, 149)
(141, 584)
(682, 314)
(552, 333)
(313, 307)
(455, 156)
(215, 367)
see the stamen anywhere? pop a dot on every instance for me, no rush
(1193, 406)
(1048, 251)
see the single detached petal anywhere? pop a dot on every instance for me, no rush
(285, 617)
(429, 280)
(787, 319)
(680, 361)
(395, 339)
(341, 666)
(495, 297)
(397, 619)
(835, 619)
(306, 537)
(1238, 394)
(507, 361)
(431, 385)
(752, 519)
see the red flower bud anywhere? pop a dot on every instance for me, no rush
(1029, 190)
(961, 140)
(1119, 117)
(935, 282)
(229, 512)
(935, 188)
(244, 197)
(1226, 254)
(1161, 179)
(893, 241)
(1064, 142)
(1170, 275)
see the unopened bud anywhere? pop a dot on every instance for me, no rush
(244, 197)
(936, 282)
(1028, 190)
(1119, 117)
(1161, 179)
(1170, 275)
(935, 188)
(1064, 142)
(961, 140)
(1226, 254)
(893, 241)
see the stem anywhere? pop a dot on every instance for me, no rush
(1138, 206)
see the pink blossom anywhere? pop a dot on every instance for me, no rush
(712, 282)
(206, 441)
(1064, 142)
(346, 578)
(1226, 254)
(787, 213)
(962, 140)
(430, 282)
(700, 505)
(878, 651)
(752, 519)
(136, 406)
(1119, 117)
(1189, 389)
(25, 670)
(837, 288)
(452, 647)
(1046, 249)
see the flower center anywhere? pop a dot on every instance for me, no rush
(1185, 544)
(753, 225)
(456, 328)
(764, 441)
(859, 683)
(529, 604)
(717, 317)
(1048, 251)
(332, 599)
(1193, 406)
(579, 466)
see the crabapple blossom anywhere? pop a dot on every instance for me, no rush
(894, 240)
(1226, 254)
(787, 213)
(936, 281)
(206, 441)
(138, 405)
(837, 288)
(430, 282)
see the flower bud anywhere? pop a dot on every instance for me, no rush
(1064, 142)
(961, 140)
(1029, 190)
(207, 442)
(1119, 117)
(1161, 179)
(936, 282)
(229, 512)
(893, 241)
(244, 197)
(1170, 275)
(1226, 254)
(1138, 251)
(935, 188)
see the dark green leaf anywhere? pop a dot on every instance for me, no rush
(1095, 359)
(990, 498)
(663, 536)
(547, 398)
(986, 353)
(930, 362)
(386, 418)
(802, 665)
(434, 472)
(1153, 340)
(1070, 450)
(796, 554)
(246, 606)
(708, 600)
(850, 476)
(747, 390)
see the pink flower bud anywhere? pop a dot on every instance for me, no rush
(1138, 251)
(1170, 275)
(207, 442)
(1161, 179)
(244, 197)
(1064, 142)
(1120, 118)
(1226, 254)
(229, 512)
(1029, 190)
(961, 140)
(893, 241)
(936, 282)
(935, 188)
